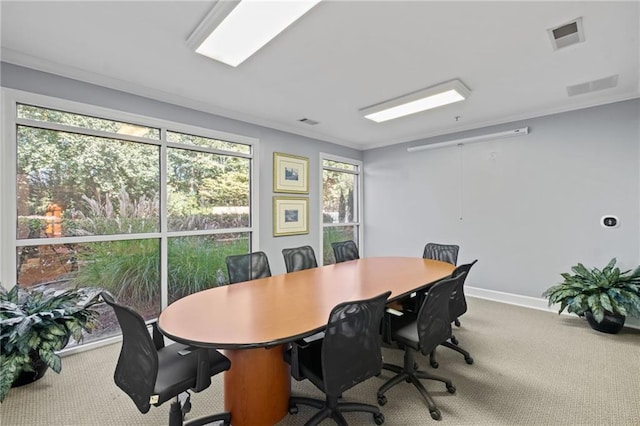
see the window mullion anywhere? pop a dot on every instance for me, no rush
(82, 131)
(337, 169)
(208, 150)
(164, 223)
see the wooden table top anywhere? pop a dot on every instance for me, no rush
(279, 309)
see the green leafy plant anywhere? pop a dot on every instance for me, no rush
(35, 323)
(598, 291)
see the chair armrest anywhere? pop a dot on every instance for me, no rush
(307, 341)
(203, 375)
(299, 346)
(387, 320)
(294, 354)
(158, 338)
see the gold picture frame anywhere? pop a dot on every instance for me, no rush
(290, 216)
(290, 173)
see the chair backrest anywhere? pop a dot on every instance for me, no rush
(443, 252)
(246, 267)
(351, 349)
(137, 366)
(299, 258)
(345, 250)
(457, 302)
(434, 322)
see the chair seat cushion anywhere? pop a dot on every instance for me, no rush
(407, 335)
(177, 373)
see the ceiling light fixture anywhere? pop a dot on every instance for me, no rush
(234, 30)
(422, 100)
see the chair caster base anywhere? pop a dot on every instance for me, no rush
(382, 400)
(378, 418)
(469, 360)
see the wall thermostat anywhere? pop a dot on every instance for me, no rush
(610, 221)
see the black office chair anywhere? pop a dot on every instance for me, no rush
(345, 250)
(151, 373)
(431, 327)
(457, 307)
(299, 258)
(444, 252)
(246, 267)
(349, 354)
(434, 251)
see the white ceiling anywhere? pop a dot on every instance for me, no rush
(340, 57)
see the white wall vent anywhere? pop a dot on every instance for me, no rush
(566, 34)
(593, 86)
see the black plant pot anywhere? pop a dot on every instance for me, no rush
(39, 368)
(611, 323)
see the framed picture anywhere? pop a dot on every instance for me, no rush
(290, 173)
(290, 216)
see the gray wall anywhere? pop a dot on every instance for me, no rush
(30, 80)
(527, 207)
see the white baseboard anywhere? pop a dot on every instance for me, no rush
(538, 303)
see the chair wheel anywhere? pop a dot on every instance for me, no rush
(378, 418)
(435, 364)
(451, 389)
(382, 399)
(293, 409)
(454, 340)
(435, 414)
(469, 360)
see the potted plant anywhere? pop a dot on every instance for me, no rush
(36, 323)
(605, 297)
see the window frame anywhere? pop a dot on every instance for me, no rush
(359, 199)
(8, 182)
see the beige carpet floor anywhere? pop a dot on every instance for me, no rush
(531, 368)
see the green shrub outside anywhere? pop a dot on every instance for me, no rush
(130, 269)
(331, 235)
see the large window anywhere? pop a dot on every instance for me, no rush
(341, 201)
(145, 209)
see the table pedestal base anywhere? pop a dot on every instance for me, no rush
(257, 386)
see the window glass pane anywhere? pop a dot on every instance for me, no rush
(207, 191)
(86, 122)
(339, 165)
(70, 184)
(332, 234)
(208, 142)
(130, 270)
(198, 262)
(338, 197)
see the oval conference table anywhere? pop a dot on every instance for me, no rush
(253, 321)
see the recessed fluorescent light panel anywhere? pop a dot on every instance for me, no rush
(422, 100)
(235, 30)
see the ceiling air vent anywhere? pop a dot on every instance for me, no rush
(308, 121)
(592, 86)
(566, 34)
